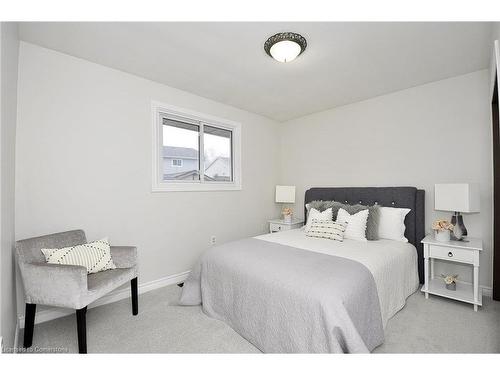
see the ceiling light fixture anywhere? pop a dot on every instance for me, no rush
(285, 47)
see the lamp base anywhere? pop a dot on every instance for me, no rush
(459, 231)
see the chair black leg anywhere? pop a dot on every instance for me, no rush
(29, 324)
(135, 303)
(81, 324)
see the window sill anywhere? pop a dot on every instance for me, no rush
(187, 186)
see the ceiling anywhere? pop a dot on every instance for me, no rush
(226, 62)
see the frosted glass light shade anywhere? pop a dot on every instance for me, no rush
(285, 51)
(457, 197)
(285, 194)
(285, 47)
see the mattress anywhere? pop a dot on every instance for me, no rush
(393, 264)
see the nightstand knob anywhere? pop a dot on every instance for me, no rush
(450, 254)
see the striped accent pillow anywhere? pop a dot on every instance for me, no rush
(95, 256)
(326, 229)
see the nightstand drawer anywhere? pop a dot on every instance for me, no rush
(277, 227)
(449, 253)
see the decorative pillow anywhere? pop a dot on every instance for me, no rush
(326, 229)
(319, 205)
(356, 224)
(392, 223)
(95, 256)
(315, 214)
(373, 214)
(373, 222)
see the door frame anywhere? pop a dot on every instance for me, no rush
(495, 157)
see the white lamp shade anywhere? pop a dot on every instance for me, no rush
(285, 194)
(456, 197)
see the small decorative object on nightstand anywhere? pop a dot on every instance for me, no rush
(287, 215)
(454, 251)
(450, 281)
(279, 225)
(286, 194)
(442, 230)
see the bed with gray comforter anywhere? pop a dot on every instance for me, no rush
(285, 299)
(267, 293)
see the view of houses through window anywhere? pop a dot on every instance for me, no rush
(182, 154)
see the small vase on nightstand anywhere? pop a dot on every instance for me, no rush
(442, 235)
(451, 286)
(287, 213)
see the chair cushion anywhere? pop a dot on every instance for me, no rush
(101, 283)
(109, 280)
(95, 256)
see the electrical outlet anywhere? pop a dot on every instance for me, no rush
(213, 240)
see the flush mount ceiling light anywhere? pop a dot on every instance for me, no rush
(285, 47)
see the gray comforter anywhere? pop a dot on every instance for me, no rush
(287, 300)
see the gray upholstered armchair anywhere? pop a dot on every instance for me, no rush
(70, 286)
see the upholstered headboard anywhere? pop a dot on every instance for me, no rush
(400, 196)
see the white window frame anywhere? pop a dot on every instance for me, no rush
(177, 165)
(158, 110)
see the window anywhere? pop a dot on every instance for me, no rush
(217, 149)
(194, 152)
(176, 162)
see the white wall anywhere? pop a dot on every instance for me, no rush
(8, 78)
(496, 31)
(439, 132)
(84, 161)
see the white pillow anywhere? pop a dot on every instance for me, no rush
(356, 224)
(315, 214)
(95, 256)
(328, 229)
(391, 224)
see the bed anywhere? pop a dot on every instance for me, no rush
(285, 292)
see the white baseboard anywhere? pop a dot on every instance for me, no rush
(487, 291)
(119, 294)
(16, 336)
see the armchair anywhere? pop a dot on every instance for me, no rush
(69, 286)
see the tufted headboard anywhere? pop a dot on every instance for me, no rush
(400, 196)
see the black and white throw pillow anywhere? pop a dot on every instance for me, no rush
(326, 229)
(95, 256)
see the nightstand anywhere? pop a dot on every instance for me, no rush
(453, 251)
(277, 225)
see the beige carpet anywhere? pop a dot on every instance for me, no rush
(435, 325)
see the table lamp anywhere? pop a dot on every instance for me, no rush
(285, 194)
(458, 198)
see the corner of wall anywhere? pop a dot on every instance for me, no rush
(9, 47)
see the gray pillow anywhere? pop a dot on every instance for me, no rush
(373, 214)
(319, 205)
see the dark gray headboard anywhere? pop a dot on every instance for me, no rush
(400, 196)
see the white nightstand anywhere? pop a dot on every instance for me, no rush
(278, 225)
(454, 251)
